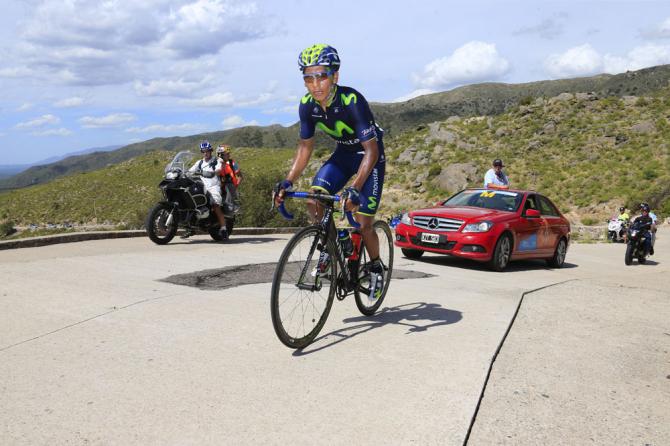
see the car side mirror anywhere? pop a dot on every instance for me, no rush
(532, 213)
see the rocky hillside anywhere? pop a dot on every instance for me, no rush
(472, 100)
(589, 154)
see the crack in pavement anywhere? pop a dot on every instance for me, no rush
(500, 345)
(74, 324)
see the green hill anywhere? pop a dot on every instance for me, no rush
(589, 155)
(395, 118)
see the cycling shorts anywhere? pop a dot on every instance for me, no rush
(341, 166)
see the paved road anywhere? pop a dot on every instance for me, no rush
(96, 349)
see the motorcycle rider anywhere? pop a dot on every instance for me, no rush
(210, 167)
(647, 225)
(623, 215)
(231, 177)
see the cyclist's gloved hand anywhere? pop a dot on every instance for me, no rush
(279, 189)
(353, 195)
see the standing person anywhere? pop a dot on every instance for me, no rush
(231, 177)
(495, 178)
(210, 167)
(344, 114)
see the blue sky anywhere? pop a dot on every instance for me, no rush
(76, 74)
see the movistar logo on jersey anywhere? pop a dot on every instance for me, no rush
(337, 132)
(347, 98)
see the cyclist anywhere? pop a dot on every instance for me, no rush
(344, 114)
(210, 168)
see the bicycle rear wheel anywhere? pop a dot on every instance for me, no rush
(362, 291)
(303, 288)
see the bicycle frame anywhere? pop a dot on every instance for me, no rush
(327, 225)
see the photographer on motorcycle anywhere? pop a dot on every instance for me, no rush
(231, 177)
(210, 168)
(647, 225)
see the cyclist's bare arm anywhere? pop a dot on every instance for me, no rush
(302, 155)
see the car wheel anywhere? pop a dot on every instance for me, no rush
(413, 254)
(502, 253)
(559, 255)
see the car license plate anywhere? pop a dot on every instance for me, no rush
(430, 238)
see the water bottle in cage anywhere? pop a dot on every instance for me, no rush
(345, 242)
(356, 239)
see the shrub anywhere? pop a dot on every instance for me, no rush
(589, 221)
(434, 170)
(7, 228)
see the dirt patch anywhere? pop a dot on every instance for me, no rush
(233, 276)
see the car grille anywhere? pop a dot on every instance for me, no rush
(443, 224)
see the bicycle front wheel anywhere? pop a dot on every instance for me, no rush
(365, 305)
(303, 288)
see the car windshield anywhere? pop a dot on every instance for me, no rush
(486, 199)
(181, 161)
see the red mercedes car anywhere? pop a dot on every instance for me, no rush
(487, 225)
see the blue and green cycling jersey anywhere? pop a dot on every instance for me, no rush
(347, 119)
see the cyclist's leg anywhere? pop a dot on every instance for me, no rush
(330, 179)
(371, 195)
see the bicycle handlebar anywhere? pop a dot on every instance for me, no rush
(323, 197)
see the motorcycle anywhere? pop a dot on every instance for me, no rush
(186, 205)
(635, 245)
(616, 230)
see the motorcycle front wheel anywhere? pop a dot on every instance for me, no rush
(158, 229)
(630, 249)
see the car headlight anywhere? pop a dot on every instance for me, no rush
(482, 226)
(405, 219)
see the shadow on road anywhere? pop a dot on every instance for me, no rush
(418, 317)
(517, 265)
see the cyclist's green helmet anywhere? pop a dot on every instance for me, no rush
(319, 55)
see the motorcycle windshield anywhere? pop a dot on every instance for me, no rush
(182, 161)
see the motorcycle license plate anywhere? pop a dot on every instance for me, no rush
(430, 238)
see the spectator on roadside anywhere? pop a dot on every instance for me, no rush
(495, 178)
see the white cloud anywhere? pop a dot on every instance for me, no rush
(584, 60)
(660, 31)
(473, 62)
(214, 100)
(169, 128)
(112, 120)
(549, 29)
(53, 132)
(24, 107)
(281, 110)
(38, 122)
(413, 94)
(113, 42)
(234, 121)
(169, 87)
(578, 61)
(74, 101)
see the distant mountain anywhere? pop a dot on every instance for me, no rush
(10, 170)
(395, 118)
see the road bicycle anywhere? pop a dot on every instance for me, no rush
(314, 269)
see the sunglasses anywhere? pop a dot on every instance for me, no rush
(316, 77)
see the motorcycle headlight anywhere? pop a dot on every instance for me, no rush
(172, 175)
(633, 233)
(405, 219)
(482, 226)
